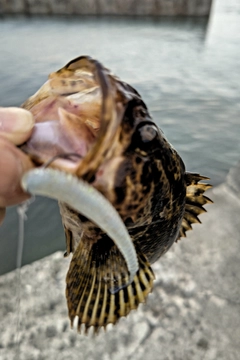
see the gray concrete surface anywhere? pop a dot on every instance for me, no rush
(106, 7)
(193, 312)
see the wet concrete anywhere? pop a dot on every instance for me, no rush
(193, 312)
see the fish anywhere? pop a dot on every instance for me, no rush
(97, 129)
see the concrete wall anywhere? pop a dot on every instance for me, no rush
(107, 7)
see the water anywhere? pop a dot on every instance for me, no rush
(187, 71)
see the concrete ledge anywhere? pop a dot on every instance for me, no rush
(105, 7)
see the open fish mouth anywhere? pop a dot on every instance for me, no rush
(78, 111)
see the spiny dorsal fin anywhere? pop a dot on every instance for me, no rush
(92, 274)
(194, 201)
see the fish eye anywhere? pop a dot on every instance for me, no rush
(147, 133)
(145, 138)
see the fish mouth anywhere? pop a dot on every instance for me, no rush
(77, 111)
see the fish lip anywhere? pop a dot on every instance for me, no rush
(109, 123)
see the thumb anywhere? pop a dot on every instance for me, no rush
(13, 164)
(16, 124)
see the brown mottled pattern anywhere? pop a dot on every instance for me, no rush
(134, 166)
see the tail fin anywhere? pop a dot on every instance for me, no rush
(194, 201)
(92, 273)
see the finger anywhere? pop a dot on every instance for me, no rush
(16, 124)
(2, 215)
(13, 164)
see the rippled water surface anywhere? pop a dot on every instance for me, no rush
(187, 71)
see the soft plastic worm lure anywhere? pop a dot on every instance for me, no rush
(88, 201)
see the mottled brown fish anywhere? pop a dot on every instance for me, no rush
(85, 110)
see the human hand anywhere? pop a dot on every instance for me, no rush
(16, 125)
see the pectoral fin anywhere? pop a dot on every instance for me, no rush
(94, 271)
(194, 201)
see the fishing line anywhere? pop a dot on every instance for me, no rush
(22, 217)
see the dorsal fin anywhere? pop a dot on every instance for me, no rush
(194, 201)
(94, 270)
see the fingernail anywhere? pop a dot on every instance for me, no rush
(15, 120)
